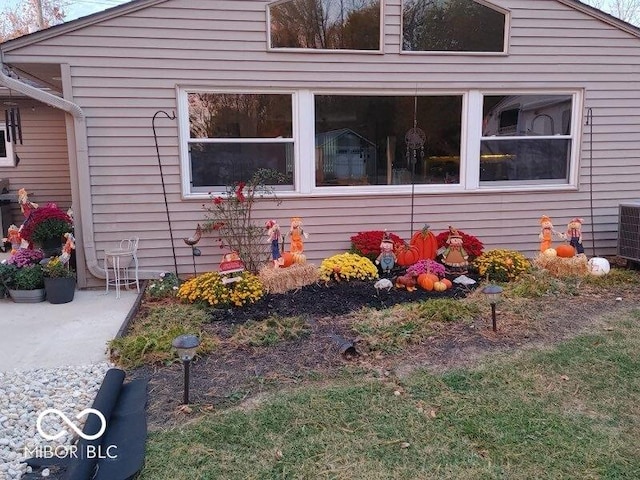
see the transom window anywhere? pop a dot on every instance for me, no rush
(233, 135)
(325, 24)
(452, 26)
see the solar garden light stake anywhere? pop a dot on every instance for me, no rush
(186, 346)
(493, 293)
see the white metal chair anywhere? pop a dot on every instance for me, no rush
(123, 260)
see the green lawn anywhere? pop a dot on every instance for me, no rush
(569, 412)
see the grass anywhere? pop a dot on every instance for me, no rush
(269, 332)
(392, 329)
(149, 339)
(566, 412)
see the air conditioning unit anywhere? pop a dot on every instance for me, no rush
(629, 231)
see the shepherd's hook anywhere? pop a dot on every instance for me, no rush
(164, 189)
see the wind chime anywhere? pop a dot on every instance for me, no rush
(12, 122)
(414, 140)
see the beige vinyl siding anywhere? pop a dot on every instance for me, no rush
(44, 164)
(124, 69)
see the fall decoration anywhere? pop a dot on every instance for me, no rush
(210, 288)
(471, 244)
(563, 267)
(289, 259)
(426, 243)
(46, 223)
(439, 286)
(427, 266)
(565, 251)
(425, 281)
(368, 243)
(407, 281)
(447, 282)
(281, 280)
(407, 255)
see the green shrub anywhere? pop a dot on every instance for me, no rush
(165, 286)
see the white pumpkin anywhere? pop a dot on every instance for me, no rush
(598, 266)
(550, 252)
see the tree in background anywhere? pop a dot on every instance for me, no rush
(627, 10)
(26, 16)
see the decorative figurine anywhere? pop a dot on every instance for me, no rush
(273, 234)
(387, 258)
(26, 205)
(574, 234)
(546, 233)
(14, 238)
(69, 244)
(455, 256)
(297, 233)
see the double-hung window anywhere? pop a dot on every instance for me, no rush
(232, 135)
(6, 148)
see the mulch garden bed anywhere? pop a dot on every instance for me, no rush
(230, 376)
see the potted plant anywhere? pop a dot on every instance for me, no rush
(45, 228)
(7, 274)
(59, 281)
(24, 279)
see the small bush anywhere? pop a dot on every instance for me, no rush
(471, 244)
(270, 331)
(165, 286)
(501, 265)
(209, 288)
(347, 266)
(427, 266)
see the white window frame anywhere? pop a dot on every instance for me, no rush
(492, 6)
(9, 159)
(303, 118)
(270, 48)
(188, 190)
(475, 137)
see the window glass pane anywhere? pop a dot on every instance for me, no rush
(525, 159)
(451, 26)
(523, 115)
(221, 115)
(218, 164)
(326, 24)
(3, 144)
(360, 140)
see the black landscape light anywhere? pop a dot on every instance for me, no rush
(493, 293)
(186, 346)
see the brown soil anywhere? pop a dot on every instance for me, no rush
(233, 375)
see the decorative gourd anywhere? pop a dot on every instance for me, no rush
(426, 243)
(566, 251)
(425, 282)
(550, 252)
(289, 258)
(406, 255)
(447, 282)
(434, 278)
(439, 286)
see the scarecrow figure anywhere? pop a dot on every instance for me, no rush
(297, 233)
(574, 234)
(387, 258)
(455, 257)
(273, 234)
(546, 233)
(26, 205)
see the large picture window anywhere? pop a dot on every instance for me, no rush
(233, 135)
(361, 140)
(452, 26)
(526, 138)
(325, 24)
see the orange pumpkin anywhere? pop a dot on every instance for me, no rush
(439, 286)
(426, 243)
(566, 251)
(406, 255)
(434, 278)
(425, 282)
(447, 282)
(289, 258)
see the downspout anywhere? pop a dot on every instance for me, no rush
(82, 162)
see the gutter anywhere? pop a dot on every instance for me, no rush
(84, 205)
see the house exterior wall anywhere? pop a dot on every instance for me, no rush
(43, 169)
(125, 69)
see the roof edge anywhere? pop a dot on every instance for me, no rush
(604, 16)
(77, 24)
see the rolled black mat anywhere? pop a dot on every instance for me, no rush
(91, 451)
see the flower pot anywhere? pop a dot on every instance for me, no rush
(60, 290)
(27, 296)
